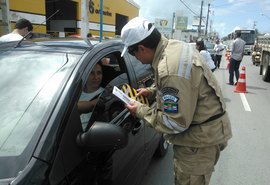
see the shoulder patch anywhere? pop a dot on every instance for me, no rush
(169, 90)
(170, 99)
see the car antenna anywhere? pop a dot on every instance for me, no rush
(19, 43)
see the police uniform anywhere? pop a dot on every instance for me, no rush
(190, 111)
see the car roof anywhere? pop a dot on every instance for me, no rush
(67, 45)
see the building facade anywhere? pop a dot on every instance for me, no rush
(63, 17)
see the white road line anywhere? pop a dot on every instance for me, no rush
(245, 102)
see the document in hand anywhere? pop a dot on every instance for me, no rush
(122, 96)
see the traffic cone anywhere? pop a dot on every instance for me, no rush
(241, 83)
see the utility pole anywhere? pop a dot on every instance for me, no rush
(173, 25)
(84, 18)
(254, 24)
(200, 24)
(206, 29)
(101, 20)
(5, 16)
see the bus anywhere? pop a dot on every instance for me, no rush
(249, 36)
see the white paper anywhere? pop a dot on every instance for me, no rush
(122, 96)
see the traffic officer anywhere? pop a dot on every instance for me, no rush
(190, 109)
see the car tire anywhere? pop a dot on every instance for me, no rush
(162, 148)
(266, 68)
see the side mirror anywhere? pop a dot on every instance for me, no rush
(103, 137)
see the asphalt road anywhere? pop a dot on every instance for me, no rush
(246, 160)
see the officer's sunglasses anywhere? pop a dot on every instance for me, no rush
(131, 50)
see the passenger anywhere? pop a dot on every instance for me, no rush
(205, 54)
(190, 109)
(22, 27)
(219, 51)
(91, 91)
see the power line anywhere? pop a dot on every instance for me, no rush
(188, 7)
(185, 4)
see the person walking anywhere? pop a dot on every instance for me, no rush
(190, 109)
(218, 48)
(237, 53)
(200, 46)
(22, 27)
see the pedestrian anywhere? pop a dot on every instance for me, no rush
(219, 51)
(190, 109)
(22, 27)
(237, 53)
(200, 46)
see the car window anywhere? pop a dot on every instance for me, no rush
(102, 104)
(144, 75)
(30, 83)
(144, 72)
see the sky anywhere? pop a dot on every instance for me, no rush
(225, 15)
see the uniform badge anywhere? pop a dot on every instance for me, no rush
(170, 103)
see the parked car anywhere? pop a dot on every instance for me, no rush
(210, 49)
(42, 139)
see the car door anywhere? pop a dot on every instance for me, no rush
(126, 162)
(121, 166)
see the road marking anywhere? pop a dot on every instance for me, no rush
(245, 102)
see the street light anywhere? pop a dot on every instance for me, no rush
(265, 16)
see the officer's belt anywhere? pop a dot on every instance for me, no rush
(214, 117)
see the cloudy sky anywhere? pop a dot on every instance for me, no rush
(225, 15)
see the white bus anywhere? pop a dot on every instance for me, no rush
(248, 36)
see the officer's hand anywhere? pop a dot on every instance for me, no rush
(143, 92)
(132, 107)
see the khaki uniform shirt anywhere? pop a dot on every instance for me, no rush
(188, 98)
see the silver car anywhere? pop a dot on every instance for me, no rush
(210, 49)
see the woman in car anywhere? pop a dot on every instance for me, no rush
(99, 164)
(205, 54)
(91, 91)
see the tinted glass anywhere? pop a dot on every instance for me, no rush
(141, 70)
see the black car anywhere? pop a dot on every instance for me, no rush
(42, 139)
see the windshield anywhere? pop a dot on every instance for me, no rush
(29, 80)
(249, 38)
(210, 46)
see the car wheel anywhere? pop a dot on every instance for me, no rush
(266, 68)
(162, 148)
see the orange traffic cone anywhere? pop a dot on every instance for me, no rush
(241, 83)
